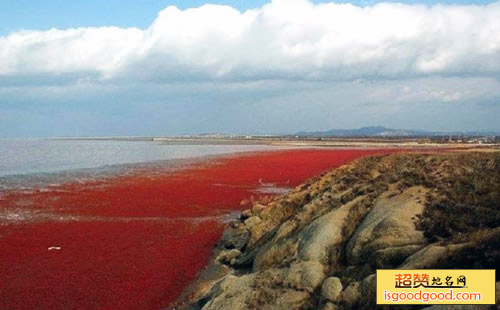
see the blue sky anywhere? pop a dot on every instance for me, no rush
(43, 14)
(287, 66)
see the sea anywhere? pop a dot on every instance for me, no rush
(26, 163)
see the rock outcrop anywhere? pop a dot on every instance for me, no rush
(318, 247)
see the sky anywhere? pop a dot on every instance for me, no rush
(123, 67)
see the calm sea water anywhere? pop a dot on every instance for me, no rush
(34, 159)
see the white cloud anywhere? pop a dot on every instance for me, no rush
(285, 39)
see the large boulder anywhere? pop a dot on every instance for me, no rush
(390, 224)
(314, 243)
(431, 255)
(235, 238)
(352, 295)
(325, 233)
(228, 256)
(331, 289)
(305, 275)
(287, 300)
(276, 254)
(368, 292)
(232, 293)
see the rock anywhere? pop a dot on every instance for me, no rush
(350, 274)
(246, 214)
(252, 221)
(305, 275)
(236, 290)
(497, 291)
(289, 299)
(275, 253)
(368, 292)
(286, 229)
(425, 258)
(393, 256)
(207, 284)
(235, 224)
(324, 233)
(429, 256)
(251, 250)
(352, 295)
(235, 238)
(257, 208)
(364, 271)
(232, 293)
(226, 257)
(330, 306)
(317, 239)
(389, 224)
(331, 289)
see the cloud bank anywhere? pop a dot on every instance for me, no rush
(290, 65)
(283, 40)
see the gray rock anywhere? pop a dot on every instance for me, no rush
(331, 289)
(324, 233)
(330, 306)
(393, 256)
(429, 256)
(352, 295)
(235, 238)
(257, 208)
(227, 256)
(232, 293)
(389, 224)
(368, 292)
(497, 295)
(305, 275)
(246, 214)
(252, 221)
(289, 299)
(275, 253)
(425, 258)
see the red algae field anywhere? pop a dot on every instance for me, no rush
(135, 241)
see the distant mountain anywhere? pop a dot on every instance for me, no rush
(381, 131)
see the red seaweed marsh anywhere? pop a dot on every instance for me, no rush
(136, 241)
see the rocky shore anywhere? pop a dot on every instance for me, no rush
(319, 246)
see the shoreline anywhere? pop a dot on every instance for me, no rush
(109, 155)
(40, 180)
